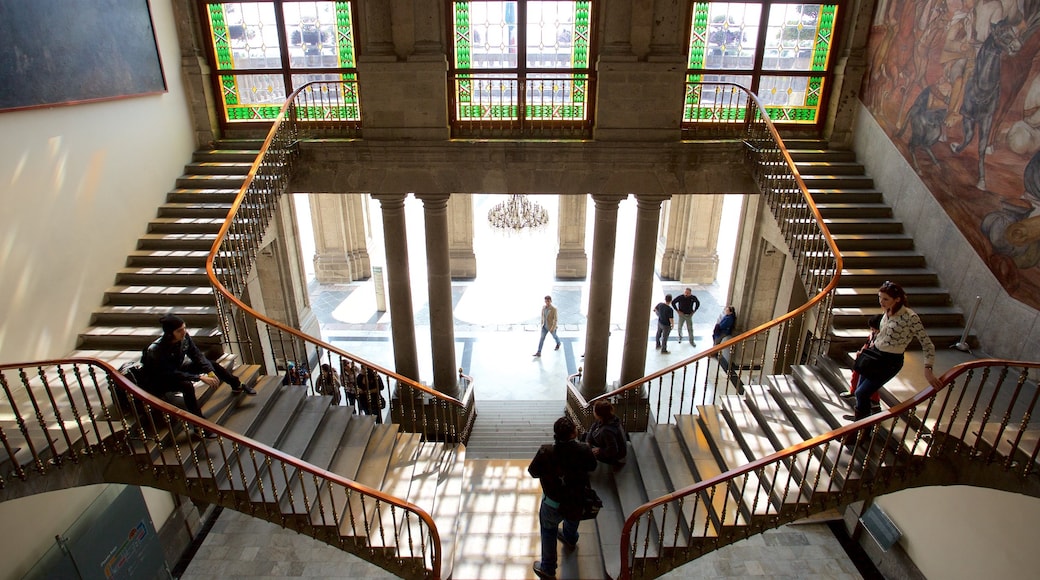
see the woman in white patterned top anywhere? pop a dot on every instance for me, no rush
(899, 326)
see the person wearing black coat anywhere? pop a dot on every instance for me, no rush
(173, 363)
(606, 436)
(563, 471)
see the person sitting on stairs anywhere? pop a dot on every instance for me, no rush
(173, 363)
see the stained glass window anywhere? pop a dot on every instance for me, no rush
(257, 75)
(521, 61)
(780, 52)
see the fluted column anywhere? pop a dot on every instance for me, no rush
(617, 39)
(690, 250)
(402, 317)
(438, 268)
(460, 237)
(648, 216)
(571, 261)
(331, 265)
(601, 287)
(357, 241)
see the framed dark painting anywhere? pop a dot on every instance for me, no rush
(62, 52)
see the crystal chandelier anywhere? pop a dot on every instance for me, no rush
(517, 214)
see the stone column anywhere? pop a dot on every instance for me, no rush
(617, 33)
(460, 237)
(429, 26)
(571, 261)
(666, 36)
(331, 265)
(640, 299)
(374, 24)
(438, 268)
(357, 239)
(601, 287)
(402, 317)
(691, 246)
(340, 248)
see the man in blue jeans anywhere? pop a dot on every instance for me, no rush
(563, 470)
(548, 325)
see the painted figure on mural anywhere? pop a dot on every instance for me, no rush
(965, 73)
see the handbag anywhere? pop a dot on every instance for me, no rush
(584, 507)
(382, 402)
(871, 364)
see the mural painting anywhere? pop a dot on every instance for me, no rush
(956, 85)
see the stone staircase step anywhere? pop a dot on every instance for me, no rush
(512, 429)
(371, 472)
(863, 226)
(833, 210)
(768, 497)
(168, 258)
(855, 260)
(137, 337)
(185, 225)
(838, 182)
(330, 434)
(680, 475)
(226, 155)
(198, 194)
(173, 297)
(821, 154)
(706, 466)
(855, 317)
(777, 420)
(846, 195)
(654, 481)
(301, 429)
(210, 181)
(162, 276)
(942, 337)
(214, 210)
(814, 168)
(173, 241)
(876, 241)
(212, 167)
(866, 296)
(148, 315)
(866, 277)
(397, 482)
(451, 485)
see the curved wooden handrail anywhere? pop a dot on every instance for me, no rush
(102, 408)
(227, 294)
(852, 432)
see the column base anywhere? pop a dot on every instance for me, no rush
(332, 269)
(463, 264)
(572, 265)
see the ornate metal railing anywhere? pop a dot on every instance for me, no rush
(259, 339)
(544, 105)
(79, 420)
(982, 416)
(800, 336)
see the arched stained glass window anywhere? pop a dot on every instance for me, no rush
(779, 51)
(266, 49)
(521, 67)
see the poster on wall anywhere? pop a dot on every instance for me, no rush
(63, 52)
(956, 85)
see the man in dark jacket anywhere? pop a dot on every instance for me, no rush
(563, 470)
(173, 363)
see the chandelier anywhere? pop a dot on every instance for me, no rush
(517, 214)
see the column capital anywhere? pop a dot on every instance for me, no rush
(433, 199)
(606, 200)
(651, 199)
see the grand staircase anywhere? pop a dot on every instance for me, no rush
(362, 479)
(874, 246)
(167, 271)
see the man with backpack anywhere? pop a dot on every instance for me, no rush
(563, 470)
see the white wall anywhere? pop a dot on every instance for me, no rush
(1005, 327)
(967, 532)
(78, 185)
